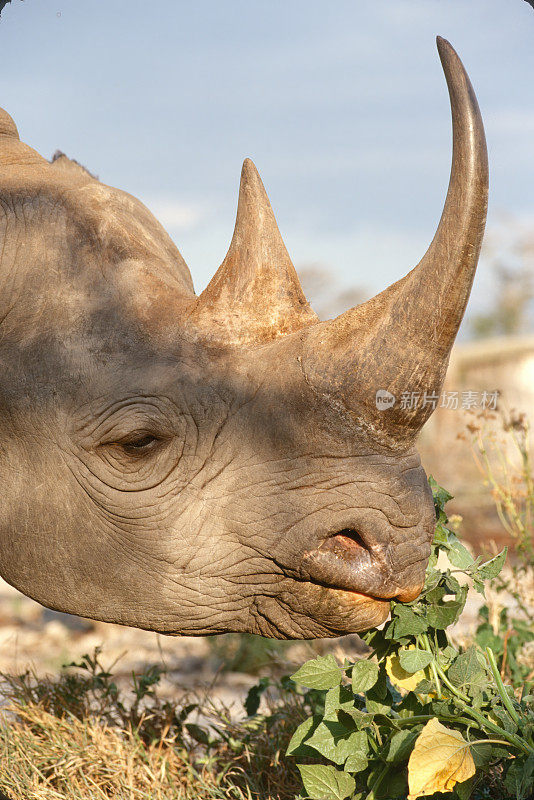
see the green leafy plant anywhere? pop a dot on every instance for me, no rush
(419, 716)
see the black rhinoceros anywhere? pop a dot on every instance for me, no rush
(216, 463)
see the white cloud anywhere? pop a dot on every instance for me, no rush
(175, 214)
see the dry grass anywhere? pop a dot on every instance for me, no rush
(44, 757)
(76, 737)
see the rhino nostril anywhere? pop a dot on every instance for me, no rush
(347, 539)
(353, 536)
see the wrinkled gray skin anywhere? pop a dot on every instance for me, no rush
(200, 465)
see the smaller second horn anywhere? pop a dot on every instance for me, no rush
(255, 295)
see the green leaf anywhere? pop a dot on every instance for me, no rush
(336, 742)
(410, 706)
(452, 584)
(414, 660)
(364, 676)
(436, 594)
(377, 640)
(483, 754)
(394, 787)
(360, 718)
(464, 668)
(198, 733)
(401, 745)
(425, 687)
(441, 496)
(339, 698)
(322, 672)
(447, 653)
(442, 534)
(490, 569)
(520, 778)
(407, 622)
(325, 782)
(300, 735)
(380, 688)
(445, 614)
(252, 702)
(377, 702)
(464, 790)
(356, 763)
(460, 556)
(504, 719)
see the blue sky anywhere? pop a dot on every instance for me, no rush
(342, 105)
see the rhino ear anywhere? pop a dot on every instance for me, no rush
(70, 166)
(255, 294)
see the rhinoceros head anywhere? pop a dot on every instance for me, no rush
(216, 463)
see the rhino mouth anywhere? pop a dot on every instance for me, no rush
(346, 561)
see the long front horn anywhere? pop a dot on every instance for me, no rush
(255, 295)
(401, 339)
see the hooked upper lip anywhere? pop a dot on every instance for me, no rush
(345, 561)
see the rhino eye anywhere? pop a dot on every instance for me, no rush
(138, 444)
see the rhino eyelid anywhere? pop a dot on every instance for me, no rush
(141, 441)
(137, 444)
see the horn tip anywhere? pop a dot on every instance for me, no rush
(7, 125)
(445, 49)
(248, 169)
(251, 183)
